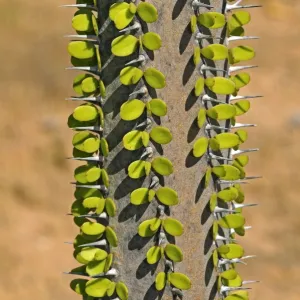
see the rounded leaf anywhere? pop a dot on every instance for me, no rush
(232, 221)
(240, 80)
(85, 113)
(215, 52)
(141, 196)
(123, 18)
(162, 166)
(242, 107)
(144, 229)
(228, 194)
(155, 78)
(161, 135)
(173, 226)
(81, 49)
(151, 40)
(222, 112)
(200, 147)
(122, 290)
(212, 20)
(241, 53)
(111, 236)
(179, 280)
(130, 75)
(158, 107)
(97, 287)
(220, 85)
(104, 147)
(116, 8)
(201, 118)
(110, 207)
(124, 45)
(82, 21)
(227, 140)
(137, 169)
(92, 228)
(174, 253)
(199, 86)
(132, 109)
(226, 172)
(231, 251)
(133, 140)
(153, 255)
(160, 281)
(147, 12)
(167, 196)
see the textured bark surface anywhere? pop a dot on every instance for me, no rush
(175, 60)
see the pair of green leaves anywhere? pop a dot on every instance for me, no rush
(90, 173)
(237, 20)
(178, 280)
(135, 139)
(86, 114)
(84, 21)
(94, 203)
(172, 226)
(218, 85)
(212, 20)
(165, 195)
(134, 108)
(87, 84)
(171, 252)
(140, 168)
(125, 45)
(132, 75)
(123, 13)
(225, 140)
(100, 287)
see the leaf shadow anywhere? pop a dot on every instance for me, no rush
(185, 38)
(188, 70)
(127, 186)
(178, 7)
(144, 268)
(191, 100)
(193, 131)
(191, 160)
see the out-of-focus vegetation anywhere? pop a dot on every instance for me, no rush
(35, 139)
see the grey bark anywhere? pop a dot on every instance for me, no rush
(174, 59)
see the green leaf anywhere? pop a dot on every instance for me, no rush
(226, 172)
(141, 196)
(242, 107)
(133, 140)
(95, 267)
(111, 289)
(153, 255)
(151, 40)
(94, 202)
(158, 107)
(123, 18)
(212, 20)
(162, 166)
(82, 21)
(240, 80)
(93, 253)
(111, 236)
(179, 280)
(227, 140)
(213, 201)
(144, 229)
(222, 112)
(124, 45)
(145, 138)
(116, 8)
(242, 134)
(81, 49)
(160, 281)
(104, 177)
(228, 194)
(231, 251)
(78, 286)
(104, 147)
(77, 84)
(161, 135)
(109, 261)
(92, 228)
(147, 12)
(110, 207)
(200, 147)
(220, 85)
(207, 177)
(238, 19)
(197, 55)
(138, 169)
(215, 52)
(77, 209)
(132, 109)
(241, 160)
(238, 295)
(215, 258)
(167, 196)
(193, 23)
(236, 282)
(85, 113)
(173, 226)
(155, 78)
(232, 221)
(97, 287)
(199, 86)
(89, 85)
(201, 118)
(87, 173)
(240, 53)
(241, 197)
(130, 75)
(229, 274)
(174, 253)
(86, 142)
(82, 193)
(122, 290)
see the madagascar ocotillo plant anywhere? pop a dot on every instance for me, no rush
(159, 195)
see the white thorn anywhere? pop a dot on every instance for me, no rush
(80, 6)
(225, 289)
(98, 243)
(147, 152)
(91, 158)
(250, 281)
(223, 210)
(238, 205)
(162, 238)
(233, 98)
(240, 68)
(141, 58)
(197, 4)
(239, 181)
(154, 182)
(90, 99)
(177, 292)
(88, 68)
(93, 216)
(222, 238)
(205, 68)
(91, 128)
(213, 156)
(161, 210)
(169, 264)
(237, 152)
(82, 36)
(230, 7)
(241, 38)
(201, 36)
(142, 90)
(136, 25)
(240, 125)
(205, 97)
(232, 231)
(146, 123)
(111, 272)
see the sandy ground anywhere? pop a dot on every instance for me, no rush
(35, 139)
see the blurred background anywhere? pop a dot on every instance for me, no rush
(34, 140)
